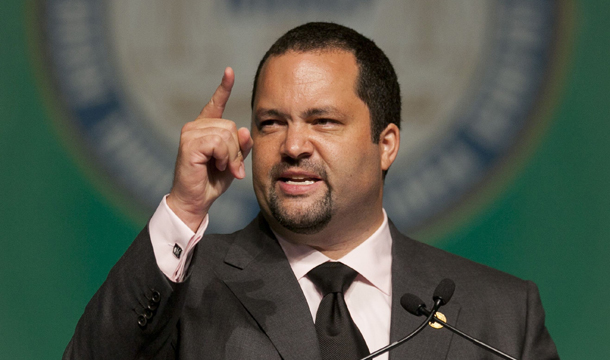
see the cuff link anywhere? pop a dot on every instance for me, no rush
(177, 251)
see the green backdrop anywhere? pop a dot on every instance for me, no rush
(59, 236)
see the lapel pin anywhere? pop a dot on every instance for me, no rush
(436, 325)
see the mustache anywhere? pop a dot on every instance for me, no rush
(302, 165)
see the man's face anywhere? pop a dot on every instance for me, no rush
(314, 162)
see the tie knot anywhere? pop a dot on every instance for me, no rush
(332, 277)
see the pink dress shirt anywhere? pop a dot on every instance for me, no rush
(369, 298)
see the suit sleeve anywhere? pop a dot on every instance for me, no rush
(134, 314)
(538, 344)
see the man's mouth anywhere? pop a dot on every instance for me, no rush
(298, 178)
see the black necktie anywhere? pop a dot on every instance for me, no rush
(338, 335)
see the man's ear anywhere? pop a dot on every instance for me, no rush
(389, 143)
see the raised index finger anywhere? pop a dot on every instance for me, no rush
(216, 106)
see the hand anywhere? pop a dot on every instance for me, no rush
(211, 154)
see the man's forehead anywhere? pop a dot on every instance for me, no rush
(318, 53)
(327, 55)
(315, 69)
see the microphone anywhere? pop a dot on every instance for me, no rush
(413, 304)
(444, 291)
(417, 307)
(442, 295)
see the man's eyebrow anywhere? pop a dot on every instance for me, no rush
(327, 110)
(274, 113)
(270, 113)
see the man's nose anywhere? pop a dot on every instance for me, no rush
(297, 143)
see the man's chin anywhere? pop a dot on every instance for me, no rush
(309, 219)
(303, 226)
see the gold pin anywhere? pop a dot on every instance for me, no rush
(436, 325)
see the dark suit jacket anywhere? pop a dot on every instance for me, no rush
(240, 300)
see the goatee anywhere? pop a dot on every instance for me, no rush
(306, 220)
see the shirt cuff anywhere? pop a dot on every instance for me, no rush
(173, 241)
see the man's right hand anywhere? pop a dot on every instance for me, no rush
(210, 156)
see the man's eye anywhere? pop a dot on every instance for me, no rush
(324, 121)
(269, 123)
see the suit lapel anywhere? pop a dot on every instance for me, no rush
(258, 273)
(413, 271)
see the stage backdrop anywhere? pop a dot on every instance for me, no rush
(503, 158)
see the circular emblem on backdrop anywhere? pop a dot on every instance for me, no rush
(129, 74)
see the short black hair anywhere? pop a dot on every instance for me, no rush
(377, 84)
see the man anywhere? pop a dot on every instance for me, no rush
(325, 130)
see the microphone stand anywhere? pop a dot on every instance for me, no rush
(466, 336)
(430, 314)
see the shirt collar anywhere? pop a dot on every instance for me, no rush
(372, 259)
